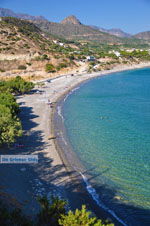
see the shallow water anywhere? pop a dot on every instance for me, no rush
(108, 125)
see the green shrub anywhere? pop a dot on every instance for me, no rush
(10, 125)
(19, 85)
(71, 57)
(80, 217)
(49, 68)
(9, 101)
(2, 70)
(51, 212)
(14, 217)
(57, 57)
(29, 64)
(61, 65)
(22, 67)
(45, 57)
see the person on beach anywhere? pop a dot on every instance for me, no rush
(51, 105)
(49, 102)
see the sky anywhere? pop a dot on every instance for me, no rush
(132, 16)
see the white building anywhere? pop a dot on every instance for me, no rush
(55, 41)
(117, 53)
(61, 44)
(90, 58)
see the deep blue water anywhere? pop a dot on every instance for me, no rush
(108, 125)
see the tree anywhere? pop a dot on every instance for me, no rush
(16, 85)
(13, 217)
(9, 101)
(10, 127)
(19, 86)
(51, 211)
(80, 217)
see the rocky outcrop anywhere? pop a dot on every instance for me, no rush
(71, 20)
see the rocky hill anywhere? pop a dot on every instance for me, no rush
(69, 28)
(117, 32)
(114, 31)
(21, 36)
(72, 29)
(25, 49)
(71, 20)
(10, 13)
(143, 35)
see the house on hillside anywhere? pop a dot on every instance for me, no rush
(117, 53)
(55, 41)
(90, 58)
(61, 44)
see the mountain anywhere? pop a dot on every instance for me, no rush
(26, 50)
(114, 31)
(71, 20)
(10, 13)
(143, 35)
(118, 32)
(72, 29)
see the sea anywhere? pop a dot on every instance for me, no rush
(107, 125)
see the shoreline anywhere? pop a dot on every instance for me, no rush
(53, 175)
(58, 147)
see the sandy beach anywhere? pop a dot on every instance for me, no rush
(52, 175)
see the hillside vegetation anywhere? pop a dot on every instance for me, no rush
(34, 54)
(51, 213)
(10, 125)
(76, 32)
(24, 47)
(72, 29)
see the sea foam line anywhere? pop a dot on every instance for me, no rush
(60, 113)
(66, 97)
(89, 188)
(95, 197)
(71, 93)
(63, 139)
(75, 89)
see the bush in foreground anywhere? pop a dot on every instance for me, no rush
(13, 218)
(80, 217)
(52, 213)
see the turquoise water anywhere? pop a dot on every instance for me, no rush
(108, 125)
